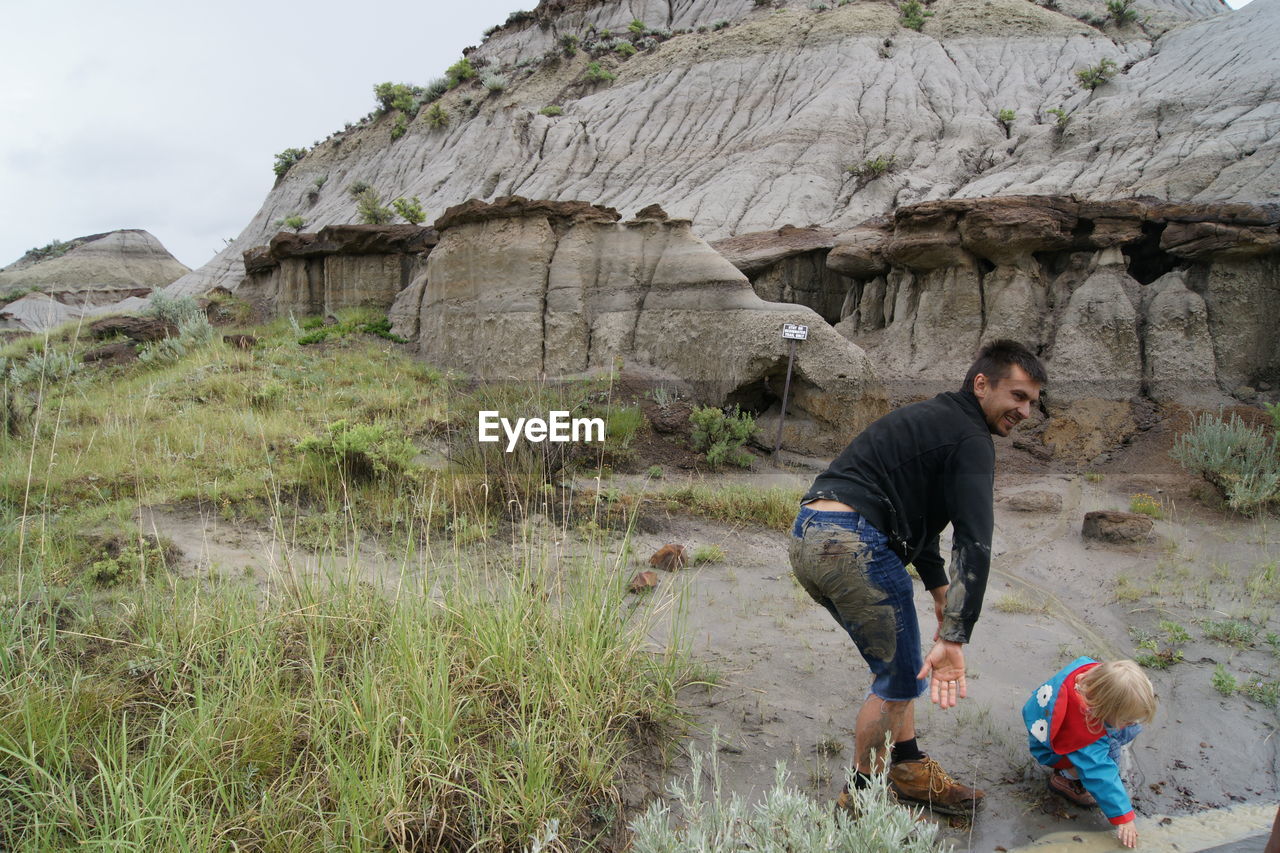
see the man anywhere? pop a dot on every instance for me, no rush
(882, 504)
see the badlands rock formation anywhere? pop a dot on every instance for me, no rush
(1173, 301)
(756, 122)
(342, 266)
(96, 272)
(524, 290)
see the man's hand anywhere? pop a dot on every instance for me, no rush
(939, 594)
(1128, 834)
(944, 666)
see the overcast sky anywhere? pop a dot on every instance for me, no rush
(167, 115)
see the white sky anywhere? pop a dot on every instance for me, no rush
(166, 115)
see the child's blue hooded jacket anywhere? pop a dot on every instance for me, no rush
(1061, 736)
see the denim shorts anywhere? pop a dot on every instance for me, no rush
(846, 565)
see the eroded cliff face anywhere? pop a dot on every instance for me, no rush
(526, 290)
(757, 123)
(1175, 302)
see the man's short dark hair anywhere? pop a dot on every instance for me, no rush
(998, 358)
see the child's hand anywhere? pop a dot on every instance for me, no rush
(1128, 834)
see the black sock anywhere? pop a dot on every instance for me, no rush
(905, 750)
(861, 780)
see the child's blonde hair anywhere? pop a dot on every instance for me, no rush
(1118, 692)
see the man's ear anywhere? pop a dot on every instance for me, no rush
(980, 385)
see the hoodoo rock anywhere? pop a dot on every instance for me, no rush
(519, 290)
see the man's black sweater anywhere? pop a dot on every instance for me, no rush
(910, 474)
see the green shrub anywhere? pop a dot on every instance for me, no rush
(569, 44)
(721, 435)
(400, 128)
(624, 48)
(165, 351)
(437, 116)
(1232, 632)
(551, 110)
(459, 72)
(175, 310)
(1145, 504)
(785, 819)
(286, 159)
(320, 181)
(637, 27)
(654, 472)
(435, 89)
(1237, 460)
(1273, 409)
(410, 210)
(1095, 75)
(43, 366)
(495, 82)
(396, 96)
(1262, 691)
(1006, 119)
(597, 74)
(1223, 681)
(355, 188)
(719, 25)
(1121, 11)
(52, 249)
(912, 14)
(370, 209)
(707, 554)
(875, 167)
(1061, 117)
(359, 452)
(293, 221)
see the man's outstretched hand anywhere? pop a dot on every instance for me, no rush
(944, 667)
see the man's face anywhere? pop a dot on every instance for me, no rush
(1006, 401)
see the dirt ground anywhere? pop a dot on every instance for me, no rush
(787, 681)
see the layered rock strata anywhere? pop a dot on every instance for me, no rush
(341, 266)
(1173, 301)
(521, 290)
(95, 274)
(795, 115)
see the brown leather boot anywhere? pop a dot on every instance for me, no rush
(847, 803)
(924, 781)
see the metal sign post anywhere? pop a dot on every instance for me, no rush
(791, 332)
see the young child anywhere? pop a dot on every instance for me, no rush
(1077, 723)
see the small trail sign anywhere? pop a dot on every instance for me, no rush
(791, 332)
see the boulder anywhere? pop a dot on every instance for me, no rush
(138, 329)
(643, 582)
(1118, 528)
(670, 558)
(119, 352)
(1033, 500)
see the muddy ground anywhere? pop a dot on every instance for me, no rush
(787, 681)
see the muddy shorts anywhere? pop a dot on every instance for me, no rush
(846, 565)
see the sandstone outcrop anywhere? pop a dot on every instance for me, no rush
(341, 266)
(519, 290)
(1133, 297)
(92, 275)
(776, 116)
